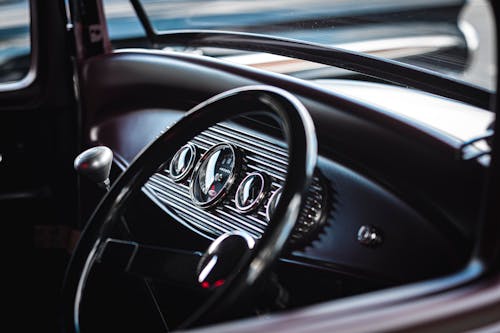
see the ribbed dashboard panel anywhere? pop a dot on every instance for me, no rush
(259, 153)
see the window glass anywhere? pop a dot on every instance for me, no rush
(122, 20)
(15, 45)
(452, 37)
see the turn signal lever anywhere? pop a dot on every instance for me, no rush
(95, 164)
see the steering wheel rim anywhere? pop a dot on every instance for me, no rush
(299, 132)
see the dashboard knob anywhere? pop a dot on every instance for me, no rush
(95, 164)
(368, 235)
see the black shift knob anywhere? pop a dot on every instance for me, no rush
(95, 164)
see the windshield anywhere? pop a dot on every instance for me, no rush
(452, 37)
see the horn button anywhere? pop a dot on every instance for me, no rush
(224, 258)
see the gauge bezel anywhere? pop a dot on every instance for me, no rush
(189, 168)
(260, 197)
(271, 198)
(229, 183)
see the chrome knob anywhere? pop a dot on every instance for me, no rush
(95, 164)
(369, 236)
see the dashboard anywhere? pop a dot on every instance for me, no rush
(389, 201)
(349, 225)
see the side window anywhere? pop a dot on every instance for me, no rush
(15, 46)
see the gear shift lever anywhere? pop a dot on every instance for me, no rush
(95, 164)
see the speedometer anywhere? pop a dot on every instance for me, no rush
(214, 175)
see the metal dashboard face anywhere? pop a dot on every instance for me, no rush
(232, 185)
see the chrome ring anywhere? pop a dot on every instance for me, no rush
(223, 192)
(259, 198)
(190, 165)
(271, 199)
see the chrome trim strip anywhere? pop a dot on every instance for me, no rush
(269, 172)
(258, 160)
(240, 135)
(203, 230)
(245, 145)
(251, 226)
(202, 215)
(195, 213)
(250, 217)
(170, 188)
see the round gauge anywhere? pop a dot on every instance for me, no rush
(182, 163)
(273, 203)
(214, 175)
(250, 192)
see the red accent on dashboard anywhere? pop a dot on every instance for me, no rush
(219, 283)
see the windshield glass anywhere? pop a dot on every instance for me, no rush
(452, 37)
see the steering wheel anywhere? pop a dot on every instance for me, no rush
(240, 263)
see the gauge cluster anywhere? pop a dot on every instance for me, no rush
(227, 179)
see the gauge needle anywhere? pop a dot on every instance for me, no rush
(212, 190)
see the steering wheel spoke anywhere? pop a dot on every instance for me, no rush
(170, 265)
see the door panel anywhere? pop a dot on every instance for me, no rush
(38, 135)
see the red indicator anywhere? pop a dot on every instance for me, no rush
(219, 283)
(212, 193)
